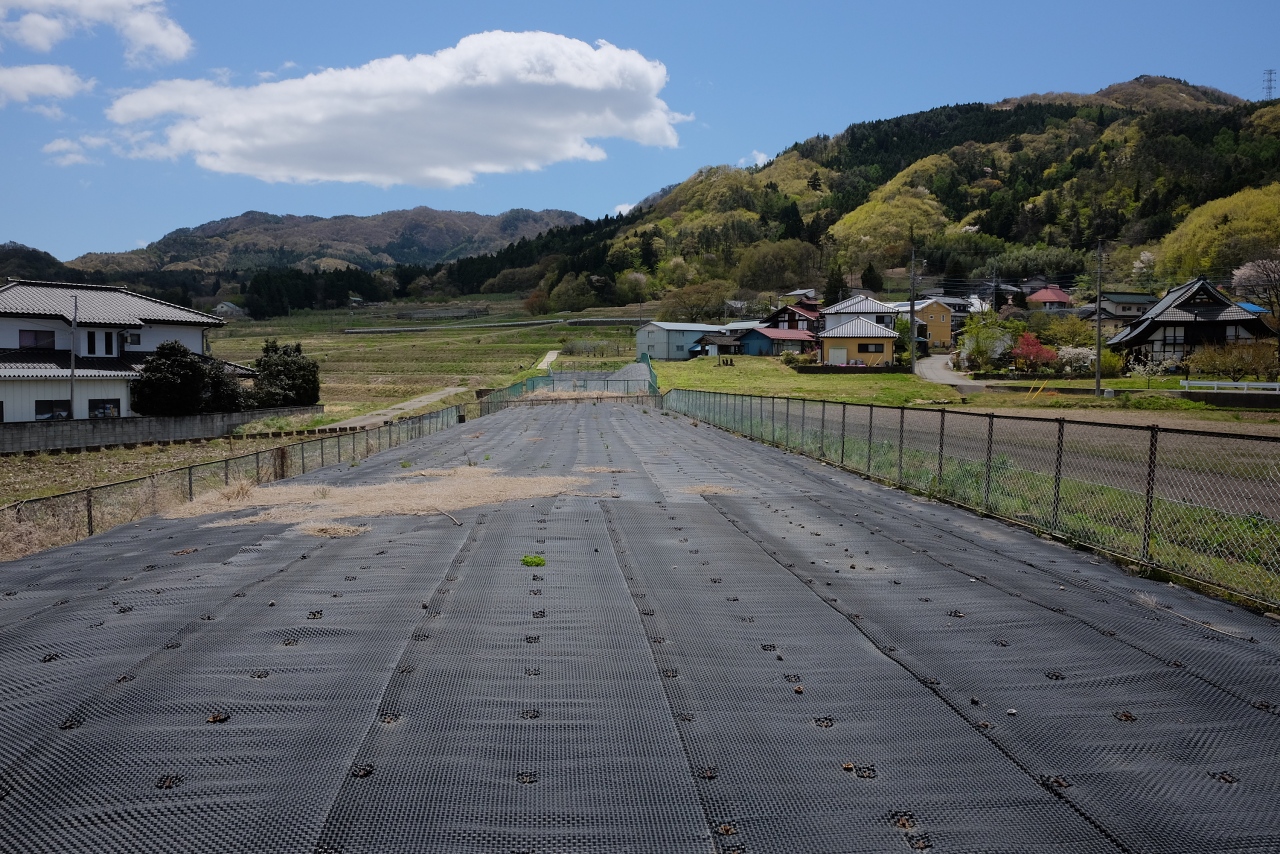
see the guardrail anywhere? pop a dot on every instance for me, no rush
(1214, 385)
(1199, 505)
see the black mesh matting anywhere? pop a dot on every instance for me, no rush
(419, 689)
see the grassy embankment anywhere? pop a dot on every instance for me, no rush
(762, 375)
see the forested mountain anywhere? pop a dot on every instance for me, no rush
(1174, 180)
(256, 240)
(981, 191)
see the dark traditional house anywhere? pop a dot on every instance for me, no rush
(1190, 317)
(803, 315)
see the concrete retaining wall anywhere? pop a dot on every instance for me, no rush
(49, 435)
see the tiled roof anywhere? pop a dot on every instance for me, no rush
(56, 364)
(98, 306)
(783, 334)
(860, 327)
(1049, 295)
(860, 305)
(1130, 298)
(1170, 311)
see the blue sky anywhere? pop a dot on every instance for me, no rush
(125, 119)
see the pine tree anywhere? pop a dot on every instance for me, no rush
(871, 279)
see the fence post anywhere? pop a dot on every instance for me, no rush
(303, 449)
(257, 466)
(191, 489)
(787, 415)
(773, 419)
(871, 420)
(822, 433)
(803, 407)
(226, 472)
(942, 443)
(844, 412)
(1057, 476)
(902, 432)
(322, 452)
(88, 509)
(986, 484)
(1151, 494)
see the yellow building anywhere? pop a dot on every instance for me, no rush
(937, 317)
(858, 342)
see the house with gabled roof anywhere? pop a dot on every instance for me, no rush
(70, 350)
(803, 315)
(858, 342)
(1187, 318)
(678, 342)
(1048, 298)
(859, 307)
(767, 341)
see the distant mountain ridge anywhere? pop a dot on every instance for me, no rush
(1142, 94)
(255, 240)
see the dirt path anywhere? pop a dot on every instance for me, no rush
(548, 359)
(399, 409)
(937, 369)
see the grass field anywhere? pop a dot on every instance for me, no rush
(767, 376)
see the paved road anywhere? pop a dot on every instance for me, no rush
(937, 369)
(729, 648)
(374, 418)
(548, 359)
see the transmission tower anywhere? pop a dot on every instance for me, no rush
(1268, 84)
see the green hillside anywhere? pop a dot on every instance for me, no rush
(1008, 190)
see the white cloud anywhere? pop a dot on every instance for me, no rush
(757, 158)
(52, 112)
(623, 209)
(149, 33)
(497, 102)
(74, 152)
(21, 83)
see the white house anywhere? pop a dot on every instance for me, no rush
(673, 341)
(70, 351)
(856, 308)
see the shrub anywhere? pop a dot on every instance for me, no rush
(533, 560)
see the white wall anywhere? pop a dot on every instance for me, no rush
(20, 396)
(191, 337)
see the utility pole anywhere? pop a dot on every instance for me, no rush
(911, 334)
(1097, 318)
(1268, 84)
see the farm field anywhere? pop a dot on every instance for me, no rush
(628, 632)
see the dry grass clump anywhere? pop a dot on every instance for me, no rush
(333, 531)
(710, 489)
(430, 493)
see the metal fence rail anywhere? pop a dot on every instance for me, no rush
(1197, 504)
(30, 526)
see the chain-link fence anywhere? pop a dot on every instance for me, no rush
(1194, 503)
(31, 526)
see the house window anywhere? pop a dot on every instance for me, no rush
(679, 348)
(1175, 334)
(35, 339)
(104, 407)
(870, 348)
(1237, 333)
(108, 344)
(91, 343)
(1, 411)
(651, 333)
(53, 410)
(652, 348)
